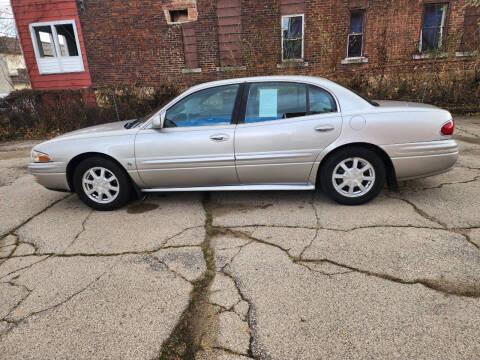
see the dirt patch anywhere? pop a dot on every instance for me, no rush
(141, 208)
(223, 209)
(468, 139)
(16, 154)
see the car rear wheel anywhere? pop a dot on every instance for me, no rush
(102, 184)
(353, 175)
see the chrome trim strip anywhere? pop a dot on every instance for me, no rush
(46, 167)
(269, 156)
(437, 147)
(236, 188)
(187, 168)
(189, 160)
(424, 156)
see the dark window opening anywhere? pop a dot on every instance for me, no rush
(355, 35)
(433, 27)
(178, 15)
(66, 40)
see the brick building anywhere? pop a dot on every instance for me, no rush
(79, 43)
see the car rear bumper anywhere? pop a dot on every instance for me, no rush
(52, 175)
(416, 160)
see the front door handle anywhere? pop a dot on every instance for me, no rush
(219, 137)
(324, 128)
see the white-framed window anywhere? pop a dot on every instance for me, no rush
(433, 27)
(292, 37)
(355, 35)
(56, 47)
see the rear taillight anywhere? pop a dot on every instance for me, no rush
(448, 128)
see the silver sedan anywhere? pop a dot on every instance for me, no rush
(260, 133)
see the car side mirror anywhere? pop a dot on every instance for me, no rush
(158, 120)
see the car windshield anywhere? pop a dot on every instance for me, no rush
(371, 102)
(140, 120)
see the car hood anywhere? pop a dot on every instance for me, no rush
(97, 130)
(403, 104)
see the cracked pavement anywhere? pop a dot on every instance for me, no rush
(246, 275)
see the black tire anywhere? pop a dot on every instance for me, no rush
(123, 194)
(332, 163)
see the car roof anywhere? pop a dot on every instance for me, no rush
(348, 100)
(295, 78)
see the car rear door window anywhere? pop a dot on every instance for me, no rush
(320, 101)
(283, 100)
(275, 100)
(213, 106)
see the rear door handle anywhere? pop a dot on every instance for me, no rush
(219, 137)
(324, 128)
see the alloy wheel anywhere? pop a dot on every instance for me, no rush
(353, 177)
(100, 185)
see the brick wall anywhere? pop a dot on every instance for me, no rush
(131, 42)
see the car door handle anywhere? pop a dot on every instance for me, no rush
(219, 137)
(324, 128)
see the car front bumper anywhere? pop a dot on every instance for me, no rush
(52, 175)
(416, 160)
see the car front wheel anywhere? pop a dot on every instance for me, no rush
(102, 184)
(353, 176)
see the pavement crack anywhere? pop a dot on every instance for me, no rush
(24, 267)
(32, 217)
(132, 252)
(442, 286)
(317, 227)
(81, 231)
(465, 131)
(475, 178)
(421, 212)
(250, 313)
(16, 322)
(169, 268)
(20, 302)
(185, 339)
(444, 226)
(231, 352)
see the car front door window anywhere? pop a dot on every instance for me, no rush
(213, 106)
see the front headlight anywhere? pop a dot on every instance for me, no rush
(39, 157)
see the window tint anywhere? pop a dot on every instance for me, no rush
(206, 107)
(272, 101)
(433, 26)
(320, 101)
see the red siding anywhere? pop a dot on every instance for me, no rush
(33, 11)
